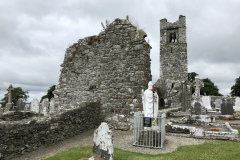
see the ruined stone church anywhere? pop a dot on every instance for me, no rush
(114, 66)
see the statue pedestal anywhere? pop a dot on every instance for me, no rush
(8, 106)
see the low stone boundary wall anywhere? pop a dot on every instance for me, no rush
(17, 137)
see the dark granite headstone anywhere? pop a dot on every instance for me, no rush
(197, 108)
(227, 109)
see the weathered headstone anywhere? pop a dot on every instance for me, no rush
(20, 104)
(227, 108)
(34, 106)
(218, 103)
(237, 104)
(198, 108)
(45, 106)
(207, 102)
(9, 104)
(51, 108)
(103, 143)
(27, 107)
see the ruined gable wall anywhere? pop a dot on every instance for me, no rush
(112, 67)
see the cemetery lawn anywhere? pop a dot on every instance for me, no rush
(220, 150)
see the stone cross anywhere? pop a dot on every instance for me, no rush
(198, 84)
(9, 104)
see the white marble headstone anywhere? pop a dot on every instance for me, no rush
(34, 106)
(103, 143)
(237, 104)
(27, 107)
(207, 102)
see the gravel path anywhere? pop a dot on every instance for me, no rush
(122, 140)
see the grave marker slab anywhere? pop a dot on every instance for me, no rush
(227, 109)
(198, 108)
(34, 106)
(20, 104)
(103, 143)
(207, 102)
(237, 104)
(218, 103)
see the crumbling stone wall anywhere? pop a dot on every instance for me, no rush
(18, 137)
(174, 89)
(111, 67)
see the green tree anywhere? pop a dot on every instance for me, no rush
(191, 76)
(16, 94)
(209, 88)
(235, 89)
(49, 94)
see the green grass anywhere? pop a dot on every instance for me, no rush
(219, 150)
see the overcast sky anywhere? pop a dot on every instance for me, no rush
(35, 34)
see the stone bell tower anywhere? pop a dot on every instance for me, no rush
(173, 49)
(173, 86)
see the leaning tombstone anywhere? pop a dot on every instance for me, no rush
(34, 106)
(20, 104)
(102, 143)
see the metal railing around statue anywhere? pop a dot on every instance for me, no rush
(149, 132)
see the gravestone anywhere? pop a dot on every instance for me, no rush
(20, 104)
(45, 106)
(34, 106)
(237, 104)
(102, 143)
(207, 102)
(51, 108)
(198, 108)
(218, 103)
(227, 108)
(27, 107)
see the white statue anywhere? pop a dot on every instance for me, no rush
(150, 101)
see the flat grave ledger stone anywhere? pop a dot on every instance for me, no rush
(103, 143)
(198, 108)
(227, 109)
